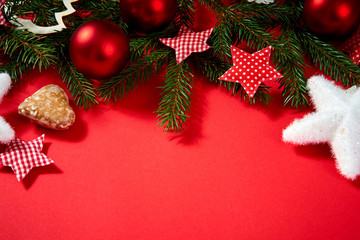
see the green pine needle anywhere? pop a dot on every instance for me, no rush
(136, 73)
(176, 101)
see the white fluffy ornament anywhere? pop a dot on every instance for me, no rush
(335, 121)
(6, 132)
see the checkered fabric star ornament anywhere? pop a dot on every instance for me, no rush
(250, 70)
(23, 156)
(2, 18)
(352, 46)
(187, 42)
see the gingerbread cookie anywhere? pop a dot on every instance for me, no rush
(49, 107)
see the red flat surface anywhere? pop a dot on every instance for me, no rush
(227, 176)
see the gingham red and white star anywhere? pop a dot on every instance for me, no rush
(352, 46)
(23, 156)
(2, 19)
(187, 42)
(250, 70)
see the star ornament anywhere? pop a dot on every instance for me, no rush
(352, 46)
(336, 121)
(187, 42)
(23, 156)
(2, 18)
(250, 70)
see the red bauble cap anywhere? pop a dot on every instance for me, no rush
(99, 49)
(147, 16)
(332, 19)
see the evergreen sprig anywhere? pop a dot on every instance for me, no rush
(26, 51)
(292, 65)
(81, 88)
(185, 13)
(175, 103)
(134, 74)
(331, 61)
(278, 25)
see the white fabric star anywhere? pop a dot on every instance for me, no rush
(335, 121)
(6, 132)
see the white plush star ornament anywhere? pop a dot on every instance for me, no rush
(336, 121)
(6, 132)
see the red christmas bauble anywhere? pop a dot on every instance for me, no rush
(332, 19)
(99, 49)
(147, 16)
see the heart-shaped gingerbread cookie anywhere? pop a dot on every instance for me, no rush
(49, 107)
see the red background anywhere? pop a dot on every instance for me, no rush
(227, 176)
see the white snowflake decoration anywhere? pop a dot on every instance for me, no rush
(261, 1)
(335, 121)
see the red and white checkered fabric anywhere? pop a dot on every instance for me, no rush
(23, 156)
(2, 19)
(250, 70)
(352, 46)
(187, 42)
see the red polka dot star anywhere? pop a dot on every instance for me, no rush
(352, 46)
(250, 70)
(23, 156)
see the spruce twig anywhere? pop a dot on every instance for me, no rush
(134, 74)
(331, 61)
(81, 88)
(176, 100)
(26, 51)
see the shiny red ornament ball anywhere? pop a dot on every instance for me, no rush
(332, 19)
(99, 49)
(147, 16)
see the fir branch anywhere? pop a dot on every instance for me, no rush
(43, 11)
(141, 46)
(291, 63)
(185, 13)
(16, 70)
(100, 9)
(176, 100)
(27, 49)
(81, 88)
(330, 60)
(222, 38)
(216, 6)
(134, 74)
(255, 35)
(269, 16)
(210, 66)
